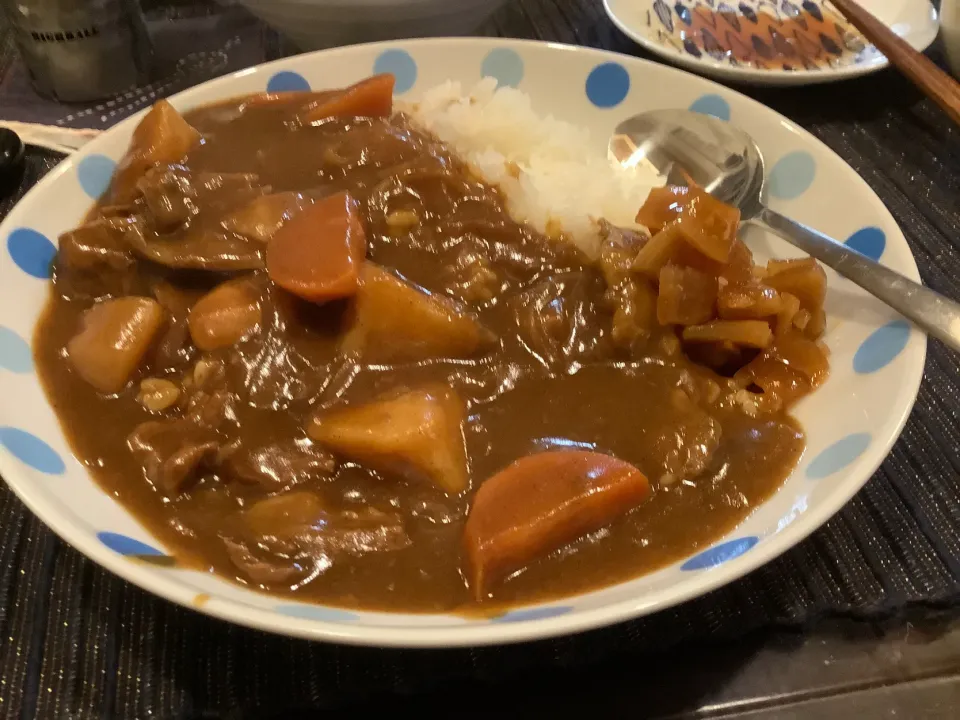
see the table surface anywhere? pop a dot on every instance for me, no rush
(905, 666)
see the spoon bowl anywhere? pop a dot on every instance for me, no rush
(686, 146)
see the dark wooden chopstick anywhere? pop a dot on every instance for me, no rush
(939, 87)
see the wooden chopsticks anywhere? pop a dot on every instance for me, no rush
(939, 87)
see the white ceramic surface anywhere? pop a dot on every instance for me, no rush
(950, 33)
(316, 24)
(914, 20)
(877, 360)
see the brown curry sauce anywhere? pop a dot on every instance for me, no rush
(646, 405)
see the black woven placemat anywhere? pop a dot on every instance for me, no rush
(77, 642)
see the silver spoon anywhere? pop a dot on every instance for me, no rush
(727, 163)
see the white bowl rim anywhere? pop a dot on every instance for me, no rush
(149, 579)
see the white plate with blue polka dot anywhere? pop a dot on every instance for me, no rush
(851, 423)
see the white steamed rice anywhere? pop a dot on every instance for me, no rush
(563, 185)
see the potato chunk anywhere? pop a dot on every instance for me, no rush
(541, 503)
(224, 315)
(394, 321)
(283, 516)
(418, 433)
(115, 336)
(163, 136)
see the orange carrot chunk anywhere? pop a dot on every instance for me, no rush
(316, 254)
(372, 97)
(541, 503)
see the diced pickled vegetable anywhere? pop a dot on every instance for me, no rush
(224, 315)
(723, 357)
(749, 301)
(262, 216)
(738, 268)
(317, 253)
(663, 206)
(803, 278)
(791, 368)
(115, 336)
(393, 321)
(657, 252)
(372, 97)
(541, 503)
(162, 137)
(789, 307)
(817, 325)
(687, 296)
(418, 433)
(709, 225)
(746, 333)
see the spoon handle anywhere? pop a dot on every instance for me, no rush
(930, 311)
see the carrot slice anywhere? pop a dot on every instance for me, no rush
(287, 97)
(316, 254)
(372, 97)
(543, 502)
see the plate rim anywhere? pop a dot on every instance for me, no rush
(153, 581)
(754, 76)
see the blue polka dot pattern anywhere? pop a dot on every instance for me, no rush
(719, 554)
(32, 451)
(534, 613)
(608, 85)
(32, 252)
(712, 105)
(317, 612)
(287, 81)
(869, 241)
(401, 65)
(792, 175)
(126, 545)
(880, 349)
(15, 353)
(94, 173)
(505, 65)
(838, 456)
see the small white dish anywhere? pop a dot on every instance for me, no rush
(851, 422)
(682, 31)
(316, 24)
